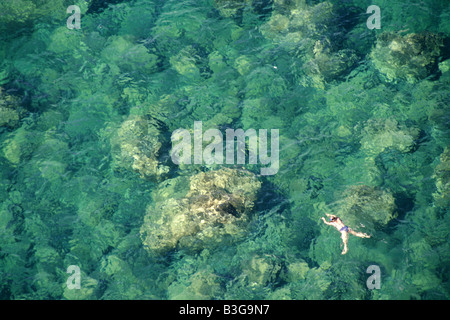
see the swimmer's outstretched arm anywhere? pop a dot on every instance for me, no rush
(328, 222)
(325, 221)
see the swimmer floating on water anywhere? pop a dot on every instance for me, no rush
(336, 222)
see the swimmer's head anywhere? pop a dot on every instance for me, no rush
(333, 218)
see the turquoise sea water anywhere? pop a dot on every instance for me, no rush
(86, 118)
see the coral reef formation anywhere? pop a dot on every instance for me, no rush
(410, 57)
(216, 208)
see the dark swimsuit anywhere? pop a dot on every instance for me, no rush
(344, 228)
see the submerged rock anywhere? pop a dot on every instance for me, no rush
(366, 207)
(136, 146)
(442, 176)
(20, 145)
(215, 209)
(381, 134)
(286, 6)
(327, 66)
(296, 271)
(229, 8)
(186, 62)
(234, 8)
(122, 52)
(202, 285)
(19, 12)
(298, 24)
(313, 33)
(10, 110)
(261, 269)
(411, 57)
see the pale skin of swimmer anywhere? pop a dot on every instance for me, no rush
(336, 222)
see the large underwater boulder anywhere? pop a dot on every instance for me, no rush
(11, 110)
(207, 209)
(365, 207)
(136, 146)
(313, 33)
(380, 134)
(442, 177)
(409, 57)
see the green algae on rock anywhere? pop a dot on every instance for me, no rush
(442, 176)
(411, 57)
(261, 269)
(17, 13)
(121, 51)
(311, 32)
(215, 209)
(296, 28)
(185, 62)
(136, 146)
(382, 134)
(202, 285)
(234, 8)
(296, 271)
(327, 66)
(363, 206)
(20, 145)
(229, 8)
(10, 110)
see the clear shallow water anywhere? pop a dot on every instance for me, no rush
(348, 114)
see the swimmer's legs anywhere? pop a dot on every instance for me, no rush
(358, 234)
(344, 237)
